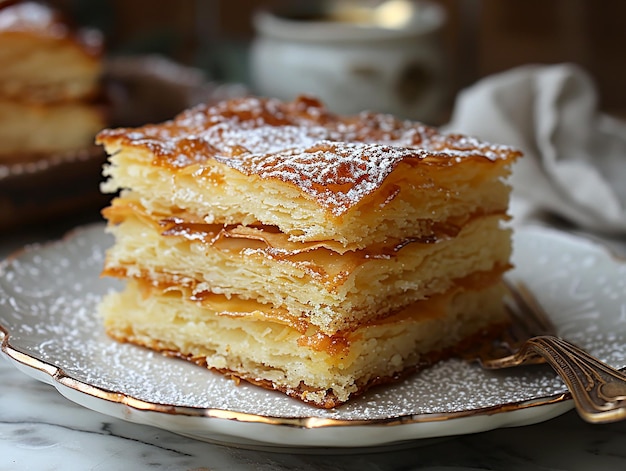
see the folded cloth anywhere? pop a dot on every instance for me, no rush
(575, 156)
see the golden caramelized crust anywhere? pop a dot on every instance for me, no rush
(357, 180)
(265, 126)
(39, 19)
(335, 160)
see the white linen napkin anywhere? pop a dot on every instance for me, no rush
(574, 162)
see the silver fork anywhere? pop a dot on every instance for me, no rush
(598, 390)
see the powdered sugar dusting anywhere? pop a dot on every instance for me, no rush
(48, 299)
(337, 160)
(264, 139)
(337, 174)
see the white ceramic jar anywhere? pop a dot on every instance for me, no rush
(387, 59)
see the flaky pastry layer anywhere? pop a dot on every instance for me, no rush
(323, 370)
(329, 289)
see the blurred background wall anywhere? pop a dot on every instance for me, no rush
(480, 37)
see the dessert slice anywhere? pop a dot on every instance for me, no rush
(303, 251)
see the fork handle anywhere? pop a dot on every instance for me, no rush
(598, 390)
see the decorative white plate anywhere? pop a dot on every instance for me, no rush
(49, 330)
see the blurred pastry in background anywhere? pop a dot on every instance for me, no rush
(50, 87)
(52, 104)
(27, 128)
(42, 58)
(58, 89)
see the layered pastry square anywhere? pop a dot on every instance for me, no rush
(303, 251)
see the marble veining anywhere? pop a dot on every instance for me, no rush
(40, 429)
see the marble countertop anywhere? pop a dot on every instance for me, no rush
(42, 430)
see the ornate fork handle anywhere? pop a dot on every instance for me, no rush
(599, 391)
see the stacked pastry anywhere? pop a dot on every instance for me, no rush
(303, 251)
(49, 77)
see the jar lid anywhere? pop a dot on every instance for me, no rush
(350, 21)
